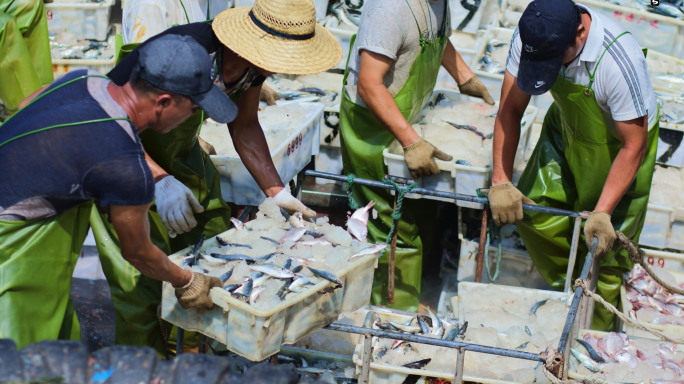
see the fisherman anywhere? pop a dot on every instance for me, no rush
(25, 63)
(391, 73)
(598, 142)
(249, 44)
(91, 151)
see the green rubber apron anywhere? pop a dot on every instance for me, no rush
(25, 62)
(568, 170)
(363, 139)
(136, 296)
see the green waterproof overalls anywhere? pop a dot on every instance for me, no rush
(568, 170)
(25, 62)
(363, 140)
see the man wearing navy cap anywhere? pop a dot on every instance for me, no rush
(598, 143)
(87, 129)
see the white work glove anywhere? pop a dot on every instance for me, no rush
(175, 204)
(287, 202)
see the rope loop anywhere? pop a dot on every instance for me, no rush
(495, 231)
(350, 181)
(396, 215)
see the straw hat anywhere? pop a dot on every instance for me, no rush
(280, 36)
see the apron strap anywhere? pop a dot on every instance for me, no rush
(423, 41)
(187, 19)
(587, 91)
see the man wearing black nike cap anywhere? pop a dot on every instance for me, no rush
(598, 142)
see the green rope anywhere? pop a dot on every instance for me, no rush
(494, 230)
(396, 215)
(352, 203)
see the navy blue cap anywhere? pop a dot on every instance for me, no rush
(179, 64)
(547, 29)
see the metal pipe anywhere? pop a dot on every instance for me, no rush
(567, 329)
(393, 250)
(364, 378)
(459, 366)
(481, 247)
(245, 213)
(573, 253)
(593, 283)
(446, 195)
(180, 338)
(438, 342)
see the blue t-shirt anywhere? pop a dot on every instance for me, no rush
(49, 172)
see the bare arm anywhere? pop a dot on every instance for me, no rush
(454, 64)
(133, 228)
(32, 96)
(378, 99)
(507, 129)
(250, 143)
(634, 137)
(158, 172)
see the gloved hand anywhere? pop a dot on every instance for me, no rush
(175, 204)
(419, 158)
(196, 293)
(474, 87)
(506, 202)
(598, 224)
(268, 95)
(208, 148)
(286, 201)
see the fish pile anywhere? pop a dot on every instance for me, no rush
(650, 301)
(672, 110)
(494, 59)
(278, 256)
(278, 123)
(322, 87)
(617, 358)
(85, 49)
(667, 187)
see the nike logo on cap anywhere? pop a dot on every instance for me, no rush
(539, 84)
(529, 49)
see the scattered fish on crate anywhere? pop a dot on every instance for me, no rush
(321, 87)
(619, 358)
(85, 49)
(494, 59)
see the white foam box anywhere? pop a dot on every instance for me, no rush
(257, 334)
(663, 228)
(71, 21)
(290, 157)
(669, 329)
(454, 177)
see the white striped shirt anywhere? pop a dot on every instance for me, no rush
(621, 84)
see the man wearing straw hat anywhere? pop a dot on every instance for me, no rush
(391, 73)
(274, 36)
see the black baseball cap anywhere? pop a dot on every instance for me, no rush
(547, 28)
(180, 65)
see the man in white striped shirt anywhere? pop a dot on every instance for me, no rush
(598, 143)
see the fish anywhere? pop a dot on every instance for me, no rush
(288, 263)
(312, 370)
(614, 344)
(357, 225)
(293, 235)
(522, 346)
(586, 360)
(314, 90)
(396, 343)
(471, 129)
(417, 364)
(462, 331)
(296, 220)
(437, 328)
(527, 330)
(406, 328)
(536, 306)
(313, 242)
(298, 285)
(289, 95)
(423, 326)
(451, 334)
(239, 225)
(464, 162)
(271, 240)
(672, 366)
(247, 259)
(245, 290)
(386, 326)
(286, 359)
(627, 358)
(267, 258)
(254, 295)
(592, 352)
(381, 352)
(231, 287)
(283, 291)
(226, 276)
(221, 242)
(327, 275)
(315, 234)
(278, 273)
(297, 269)
(224, 243)
(372, 250)
(261, 280)
(194, 252)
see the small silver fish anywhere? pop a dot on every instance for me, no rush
(586, 360)
(231, 287)
(423, 326)
(279, 273)
(314, 90)
(471, 129)
(536, 306)
(462, 331)
(298, 286)
(311, 370)
(327, 275)
(239, 225)
(357, 229)
(226, 276)
(194, 252)
(254, 295)
(592, 352)
(235, 257)
(372, 250)
(464, 162)
(396, 344)
(522, 346)
(527, 330)
(222, 242)
(245, 290)
(259, 281)
(418, 364)
(271, 240)
(406, 328)
(313, 242)
(293, 235)
(437, 328)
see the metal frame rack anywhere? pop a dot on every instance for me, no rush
(579, 303)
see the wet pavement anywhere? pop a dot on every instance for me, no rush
(95, 312)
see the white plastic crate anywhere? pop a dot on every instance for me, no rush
(63, 66)
(73, 21)
(669, 329)
(656, 230)
(661, 82)
(257, 334)
(591, 379)
(454, 178)
(290, 157)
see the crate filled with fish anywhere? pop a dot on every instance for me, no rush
(618, 358)
(647, 301)
(283, 278)
(490, 59)
(462, 127)
(665, 72)
(292, 133)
